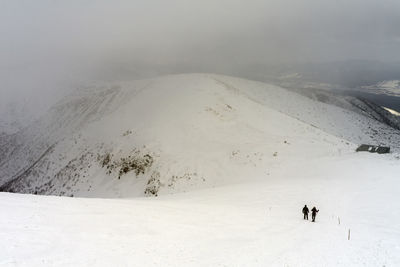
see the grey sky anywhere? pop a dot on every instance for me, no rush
(49, 45)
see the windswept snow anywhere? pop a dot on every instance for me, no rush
(253, 223)
(232, 162)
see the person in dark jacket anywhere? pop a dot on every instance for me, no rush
(305, 212)
(314, 213)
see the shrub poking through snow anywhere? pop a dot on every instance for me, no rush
(106, 160)
(127, 132)
(135, 162)
(153, 185)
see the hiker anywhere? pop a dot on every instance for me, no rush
(305, 212)
(314, 213)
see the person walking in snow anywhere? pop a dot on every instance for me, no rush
(305, 212)
(314, 212)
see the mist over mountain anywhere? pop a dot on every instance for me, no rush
(195, 133)
(49, 49)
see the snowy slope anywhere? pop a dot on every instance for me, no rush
(257, 223)
(177, 133)
(14, 117)
(232, 162)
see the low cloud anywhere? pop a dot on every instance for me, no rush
(49, 46)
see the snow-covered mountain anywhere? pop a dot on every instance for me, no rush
(390, 87)
(183, 132)
(14, 117)
(251, 155)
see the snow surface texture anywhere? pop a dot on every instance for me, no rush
(254, 223)
(178, 133)
(232, 162)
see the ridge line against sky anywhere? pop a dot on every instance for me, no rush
(45, 46)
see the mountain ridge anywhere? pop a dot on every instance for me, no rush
(177, 133)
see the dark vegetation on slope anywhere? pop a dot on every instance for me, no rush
(135, 162)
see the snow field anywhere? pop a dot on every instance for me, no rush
(256, 223)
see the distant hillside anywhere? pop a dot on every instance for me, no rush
(182, 132)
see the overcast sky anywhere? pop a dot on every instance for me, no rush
(49, 45)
